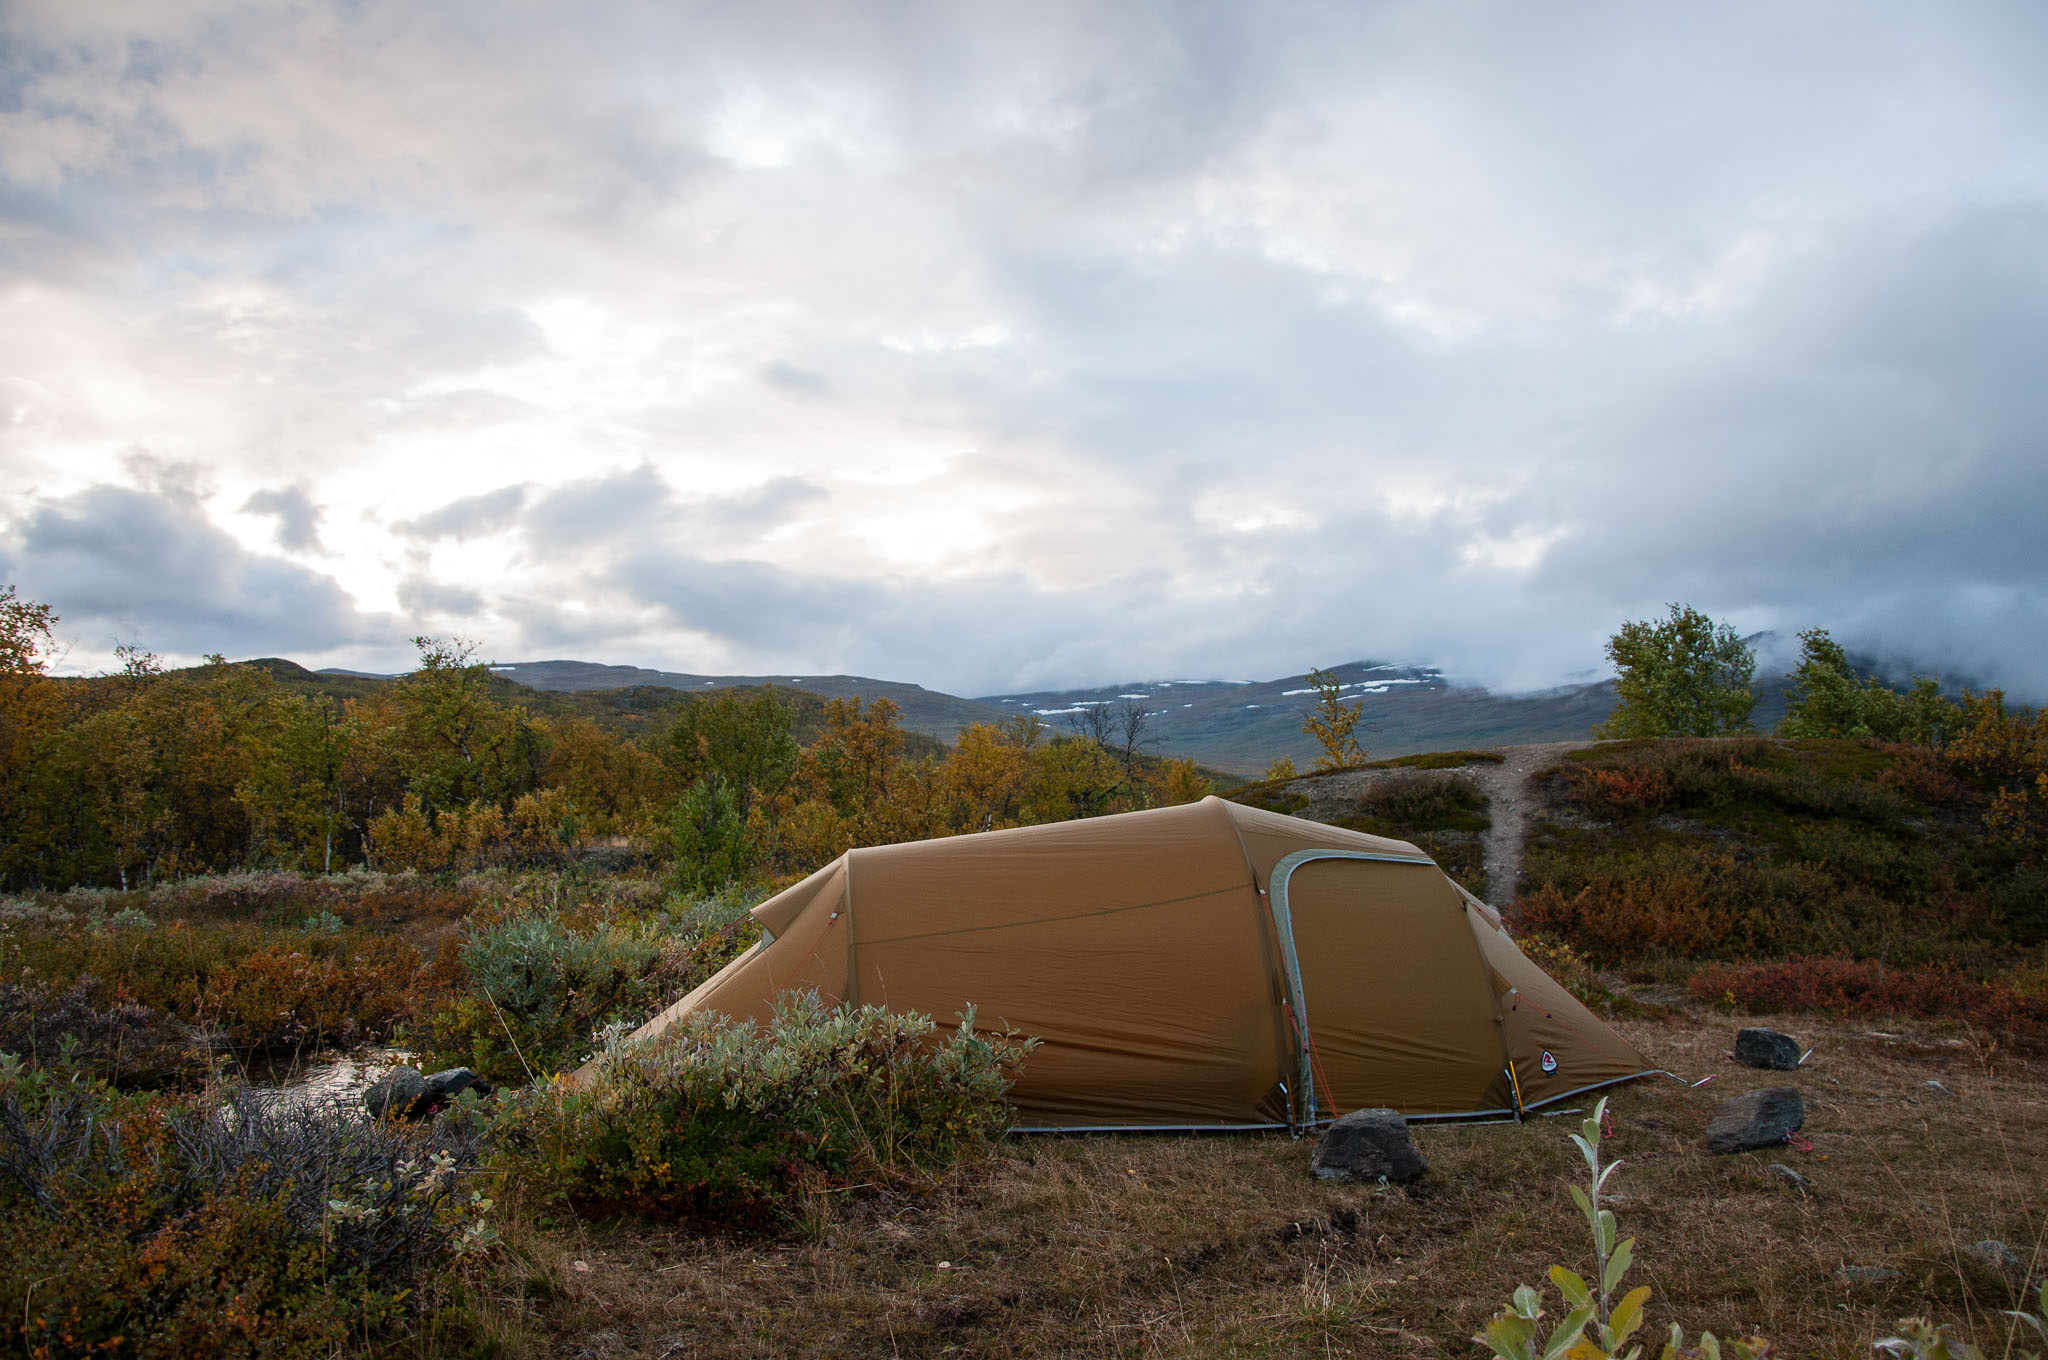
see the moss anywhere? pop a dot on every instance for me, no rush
(1439, 760)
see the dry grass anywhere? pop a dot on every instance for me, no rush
(1225, 1246)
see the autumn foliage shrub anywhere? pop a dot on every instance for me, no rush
(1747, 848)
(734, 1121)
(292, 996)
(143, 1227)
(539, 828)
(1622, 793)
(1675, 900)
(126, 1043)
(1867, 987)
(257, 990)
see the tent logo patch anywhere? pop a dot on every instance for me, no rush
(1549, 1061)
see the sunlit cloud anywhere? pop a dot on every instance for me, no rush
(1026, 346)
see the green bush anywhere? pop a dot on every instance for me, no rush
(140, 1226)
(733, 1121)
(538, 984)
(1404, 805)
(708, 828)
(1599, 1321)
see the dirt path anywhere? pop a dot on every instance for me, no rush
(1510, 803)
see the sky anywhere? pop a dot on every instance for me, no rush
(1022, 346)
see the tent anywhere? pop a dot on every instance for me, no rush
(1200, 966)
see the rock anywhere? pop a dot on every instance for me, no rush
(1760, 1047)
(1998, 1257)
(402, 1093)
(395, 1094)
(1867, 1275)
(1789, 1176)
(443, 1087)
(1756, 1119)
(1368, 1145)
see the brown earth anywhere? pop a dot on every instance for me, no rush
(1123, 1245)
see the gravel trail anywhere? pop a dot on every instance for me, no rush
(1509, 797)
(1510, 801)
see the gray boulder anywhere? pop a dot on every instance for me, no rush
(1760, 1047)
(393, 1095)
(443, 1087)
(1369, 1145)
(402, 1093)
(1756, 1119)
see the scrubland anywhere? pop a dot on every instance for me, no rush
(1887, 904)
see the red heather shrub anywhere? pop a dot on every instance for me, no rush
(1621, 793)
(287, 996)
(1690, 904)
(1867, 987)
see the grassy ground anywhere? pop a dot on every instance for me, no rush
(1226, 1246)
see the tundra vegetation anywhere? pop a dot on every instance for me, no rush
(215, 872)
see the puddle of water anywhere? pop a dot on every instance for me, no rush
(323, 1078)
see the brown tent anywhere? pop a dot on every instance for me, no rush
(1201, 966)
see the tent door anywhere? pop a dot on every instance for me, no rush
(1394, 1002)
(1312, 1101)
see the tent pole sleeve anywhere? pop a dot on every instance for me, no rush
(1283, 929)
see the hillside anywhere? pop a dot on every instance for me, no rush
(1242, 726)
(1238, 727)
(1235, 726)
(927, 711)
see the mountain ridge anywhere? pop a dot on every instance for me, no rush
(1236, 726)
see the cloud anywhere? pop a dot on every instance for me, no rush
(601, 509)
(798, 381)
(298, 518)
(485, 513)
(118, 562)
(428, 597)
(1044, 344)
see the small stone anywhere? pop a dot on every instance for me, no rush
(1937, 1088)
(1755, 1119)
(1866, 1275)
(1789, 1176)
(1997, 1256)
(1760, 1047)
(1369, 1145)
(395, 1094)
